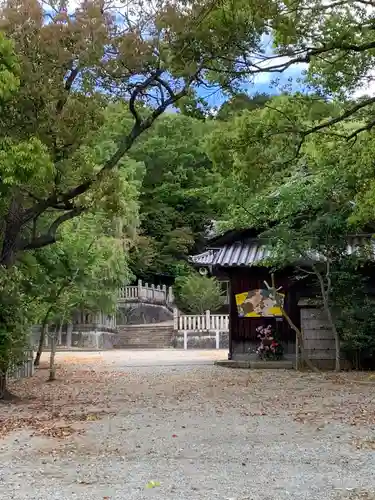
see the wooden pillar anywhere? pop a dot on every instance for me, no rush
(230, 322)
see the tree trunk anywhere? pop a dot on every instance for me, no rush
(5, 395)
(12, 231)
(297, 331)
(300, 339)
(326, 296)
(42, 337)
(52, 366)
(335, 334)
(3, 384)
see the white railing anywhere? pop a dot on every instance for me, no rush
(148, 293)
(195, 323)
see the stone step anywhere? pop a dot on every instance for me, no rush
(167, 341)
(149, 336)
(143, 346)
(144, 333)
(144, 337)
(142, 327)
(165, 324)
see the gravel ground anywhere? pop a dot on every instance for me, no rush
(113, 423)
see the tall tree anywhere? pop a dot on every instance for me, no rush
(175, 199)
(71, 63)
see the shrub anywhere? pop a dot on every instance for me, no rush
(196, 294)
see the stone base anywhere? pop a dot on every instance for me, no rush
(138, 313)
(256, 365)
(94, 340)
(326, 365)
(201, 340)
(82, 338)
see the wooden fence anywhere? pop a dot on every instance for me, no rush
(144, 292)
(190, 324)
(24, 370)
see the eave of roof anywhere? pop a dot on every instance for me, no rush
(253, 252)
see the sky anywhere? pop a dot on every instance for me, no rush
(262, 83)
(290, 80)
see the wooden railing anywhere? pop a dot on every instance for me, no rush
(147, 293)
(197, 323)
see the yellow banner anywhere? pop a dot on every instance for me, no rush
(258, 304)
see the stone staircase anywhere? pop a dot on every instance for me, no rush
(147, 336)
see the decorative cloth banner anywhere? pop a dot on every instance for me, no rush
(258, 304)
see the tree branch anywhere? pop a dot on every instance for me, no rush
(50, 236)
(123, 146)
(139, 88)
(368, 127)
(339, 118)
(67, 88)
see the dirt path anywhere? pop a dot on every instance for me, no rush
(134, 426)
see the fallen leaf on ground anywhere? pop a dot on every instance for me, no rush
(152, 484)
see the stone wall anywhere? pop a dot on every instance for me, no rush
(138, 313)
(318, 336)
(201, 340)
(88, 336)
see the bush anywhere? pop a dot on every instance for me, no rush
(354, 314)
(196, 294)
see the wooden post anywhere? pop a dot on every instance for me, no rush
(297, 353)
(217, 339)
(208, 320)
(139, 289)
(175, 319)
(231, 306)
(185, 340)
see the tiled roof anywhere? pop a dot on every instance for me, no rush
(240, 253)
(252, 252)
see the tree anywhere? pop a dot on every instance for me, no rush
(197, 294)
(82, 271)
(306, 205)
(239, 102)
(16, 310)
(175, 198)
(71, 65)
(17, 313)
(60, 156)
(334, 40)
(352, 297)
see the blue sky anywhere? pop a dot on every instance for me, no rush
(263, 83)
